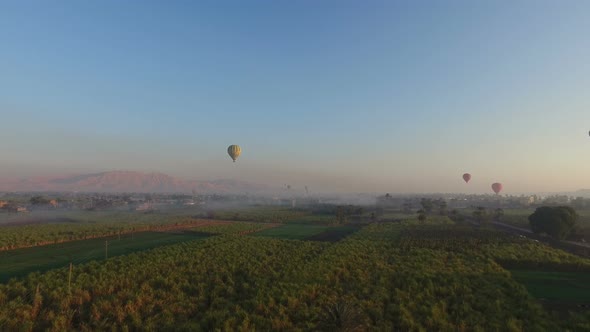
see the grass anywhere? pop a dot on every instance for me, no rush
(334, 234)
(397, 215)
(556, 286)
(309, 232)
(260, 214)
(317, 219)
(16, 263)
(293, 231)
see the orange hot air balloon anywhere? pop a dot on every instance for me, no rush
(497, 187)
(466, 177)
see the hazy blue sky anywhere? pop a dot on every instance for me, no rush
(398, 96)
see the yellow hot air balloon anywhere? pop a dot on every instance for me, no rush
(234, 152)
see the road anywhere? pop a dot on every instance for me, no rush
(577, 248)
(529, 232)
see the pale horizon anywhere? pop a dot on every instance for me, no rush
(473, 187)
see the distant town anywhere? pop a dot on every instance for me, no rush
(23, 202)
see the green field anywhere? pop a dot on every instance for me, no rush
(335, 233)
(556, 286)
(292, 231)
(309, 232)
(260, 214)
(315, 219)
(16, 263)
(409, 275)
(396, 215)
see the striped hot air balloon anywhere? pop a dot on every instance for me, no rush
(234, 152)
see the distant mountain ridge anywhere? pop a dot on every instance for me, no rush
(129, 181)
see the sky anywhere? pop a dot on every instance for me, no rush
(345, 96)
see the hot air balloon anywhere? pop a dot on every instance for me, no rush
(497, 187)
(234, 152)
(466, 177)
